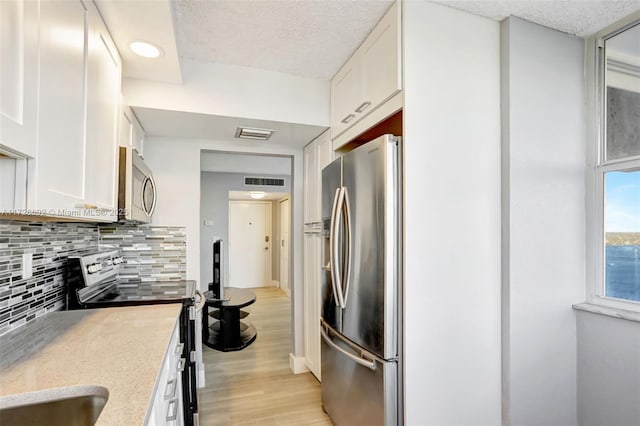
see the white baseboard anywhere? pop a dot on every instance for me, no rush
(201, 383)
(275, 283)
(298, 364)
(286, 291)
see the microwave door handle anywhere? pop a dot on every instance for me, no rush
(155, 195)
(148, 180)
(334, 267)
(347, 247)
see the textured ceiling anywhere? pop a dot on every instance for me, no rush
(309, 38)
(579, 17)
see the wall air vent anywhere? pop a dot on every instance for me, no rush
(253, 133)
(262, 181)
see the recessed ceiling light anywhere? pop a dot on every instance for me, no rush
(257, 194)
(253, 133)
(145, 49)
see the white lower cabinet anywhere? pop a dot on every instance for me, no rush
(317, 155)
(166, 404)
(312, 276)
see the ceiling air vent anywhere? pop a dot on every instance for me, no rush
(253, 133)
(262, 181)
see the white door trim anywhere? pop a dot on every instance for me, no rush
(285, 278)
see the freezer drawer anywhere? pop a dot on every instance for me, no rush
(354, 394)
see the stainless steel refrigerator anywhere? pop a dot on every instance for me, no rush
(361, 285)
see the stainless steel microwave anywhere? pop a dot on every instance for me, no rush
(136, 188)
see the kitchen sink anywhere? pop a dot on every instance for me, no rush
(69, 406)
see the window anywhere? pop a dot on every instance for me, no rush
(617, 169)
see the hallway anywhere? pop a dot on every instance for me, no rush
(255, 386)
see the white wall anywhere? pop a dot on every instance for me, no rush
(452, 217)
(255, 164)
(236, 91)
(543, 221)
(608, 370)
(214, 207)
(176, 168)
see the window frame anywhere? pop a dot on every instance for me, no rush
(598, 166)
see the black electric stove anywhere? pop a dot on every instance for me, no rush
(93, 282)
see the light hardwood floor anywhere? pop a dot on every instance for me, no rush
(254, 386)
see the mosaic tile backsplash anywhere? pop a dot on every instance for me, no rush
(24, 299)
(151, 253)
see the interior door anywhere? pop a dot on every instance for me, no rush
(249, 244)
(284, 246)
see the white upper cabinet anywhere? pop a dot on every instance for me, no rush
(310, 183)
(137, 137)
(79, 103)
(19, 77)
(325, 155)
(370, 77)
(317, 155)
(60, 162)
(131, 132)
(103, 109)
(345, 96)
(126, 126)
(380, 62)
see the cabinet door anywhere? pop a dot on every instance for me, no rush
(103, 106)
(19, 76)
(60, 164)
(325, 157)
(380, 60)
(312, 265)
(325, 153)
(345, 97)
(310, 183)
(126, 127)
(137, 138)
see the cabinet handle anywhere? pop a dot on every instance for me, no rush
(348, 118)
(192, 356)
(87, 206)
(179, 349)
(181, 363)
(363, 106)
(170, 389)
(172, 410)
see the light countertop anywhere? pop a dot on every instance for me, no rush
(121, 349)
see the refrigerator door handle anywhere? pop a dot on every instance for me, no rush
(347, 248)
(334, 267)
(365, 362)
